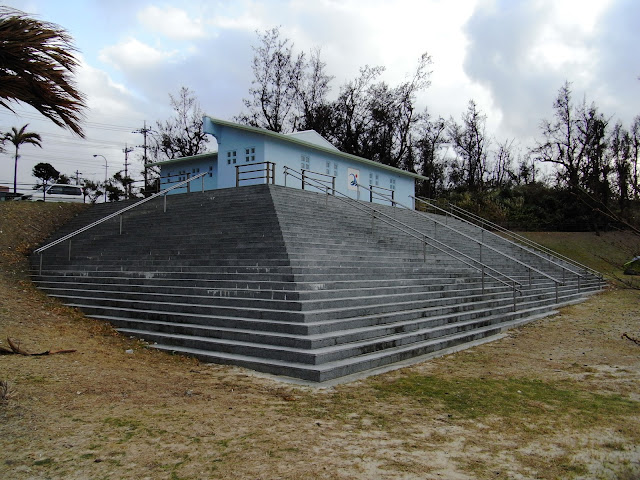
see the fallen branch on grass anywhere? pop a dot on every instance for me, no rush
(15, 349)
(634, 340)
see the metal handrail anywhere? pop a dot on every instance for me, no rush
(481, 244)
(393, 193)
(305, 173)
(422, 237)
(269, 172)
(520, 238)
(508, 256)
(119, 212)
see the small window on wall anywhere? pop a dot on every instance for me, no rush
(328, 171)
(305, 163)
(377, 180)
(335, 169)
(392, 184)
(370, 179)
(250, 154)
(231, 157)
(210, 170)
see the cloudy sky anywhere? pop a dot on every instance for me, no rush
(510, 56)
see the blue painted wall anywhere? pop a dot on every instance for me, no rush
(246, 146)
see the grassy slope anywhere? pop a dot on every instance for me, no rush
(605, 253)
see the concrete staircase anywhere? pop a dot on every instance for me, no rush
(291, 282)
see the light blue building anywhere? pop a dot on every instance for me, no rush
(249, 155)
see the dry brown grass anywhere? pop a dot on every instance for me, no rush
(104, 413)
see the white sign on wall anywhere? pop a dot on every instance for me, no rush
(353, 178)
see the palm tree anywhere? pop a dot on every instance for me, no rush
(37, 65)
(19, 137)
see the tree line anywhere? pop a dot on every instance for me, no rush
(582, 172)
(591, 180)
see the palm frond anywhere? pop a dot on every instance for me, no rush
(37, 65)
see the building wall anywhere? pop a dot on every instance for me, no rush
(242, 148)
(174, 173)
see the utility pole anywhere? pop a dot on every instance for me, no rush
(78, 177)
(144, 131)
(127, 187)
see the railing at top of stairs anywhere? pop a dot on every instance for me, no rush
(69, 236)
(423, 238)
(518, 241)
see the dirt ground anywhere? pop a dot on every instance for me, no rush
(557, 398)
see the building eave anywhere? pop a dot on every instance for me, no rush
(182, 159)
(208, 120)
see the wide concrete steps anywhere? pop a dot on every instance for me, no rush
(289, 282)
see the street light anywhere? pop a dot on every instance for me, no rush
(105, 176)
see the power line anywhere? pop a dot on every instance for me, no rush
(97, 125)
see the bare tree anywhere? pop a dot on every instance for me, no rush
(431, 138)
(620, 147)
(183, 134)
(470, 144)
(635, 155)
(502, 174)
(311, 96)
(277, 77)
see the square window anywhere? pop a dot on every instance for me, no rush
(247, 151)
(253, 150)
(228, 154)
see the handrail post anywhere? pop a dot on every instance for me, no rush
(424, 248)
(333, 185)
(237, 175)
(120, 223)
(303, 170)
(371, 194)
(529, 276)
(40, 263)
(326, 197)
(578, 283)
(165, 203)
(286, 173)
(393, 198)
(514, 297)
(69, 249)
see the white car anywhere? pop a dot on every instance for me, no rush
(60, 193)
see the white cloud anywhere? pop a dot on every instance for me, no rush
(172, 22)
(133, 54)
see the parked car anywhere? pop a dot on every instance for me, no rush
(60, 193)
